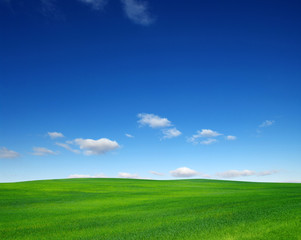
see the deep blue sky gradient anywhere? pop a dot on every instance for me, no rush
(221, 65)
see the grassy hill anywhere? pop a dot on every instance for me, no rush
(144, 209)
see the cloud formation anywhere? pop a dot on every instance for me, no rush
(95, 4)
(127, 175)
(244, 173)
(231, 138)
(208, 141)
(54, 135)
(41, 151)
(210, 135)
(153, 121)
(138, 12)
(6, 153)
(183, 172)
(156, 173)
(100, 175)
(267, 123)
(129, 135)
(205, 133)
(96, 147)
(235, 173)
(66, 146)
(171, 133)
(269, 172)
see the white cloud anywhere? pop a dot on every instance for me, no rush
(184, 172)
(267, 123)
(171, 133)
(54, 135)
(208, 133)
(127, 175)
(129, 135)
(137, 11)
(100, 175)
(205, 133)
(95, 4)
(66, 146)
(41, 151)
(208, 141)
(153, 120)
(96, 147)
(235, 173)
(244, 173)
(265, 173)
(229, 137)
(6, 153)
(79, 176)
(156, 173)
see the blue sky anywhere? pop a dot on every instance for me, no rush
(150, 89)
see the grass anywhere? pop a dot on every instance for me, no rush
(118, 209)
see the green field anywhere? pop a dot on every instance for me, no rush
(149, 209)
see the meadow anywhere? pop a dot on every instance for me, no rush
(117, 209)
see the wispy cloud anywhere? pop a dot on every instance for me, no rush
(100, 175)
(171, 133)
(129, 135)
(265, 173)
(244, 173)
(183, 172)
(152, 120)
(155, 121)
(41, 151)
(235, 173)
(156, 173)
(127, 175)
(66, 146)
(210, 135)
(54, 135)
(231, 138)
(6, 153)
(130, 175)
(138, 12)
(205, 133)
(267, 123)
(96, 147)
(208, 141)
(95, 4)
(50, 9)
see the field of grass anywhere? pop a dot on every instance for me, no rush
(144, 209)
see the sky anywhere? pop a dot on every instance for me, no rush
(150, 89)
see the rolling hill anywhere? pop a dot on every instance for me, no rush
(116, 209)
